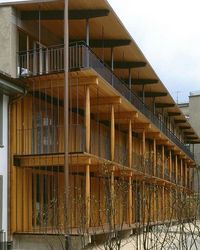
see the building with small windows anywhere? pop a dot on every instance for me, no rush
(97, 145)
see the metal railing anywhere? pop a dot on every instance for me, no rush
(48, 60)
(40, 61)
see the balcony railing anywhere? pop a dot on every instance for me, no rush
(49, 60)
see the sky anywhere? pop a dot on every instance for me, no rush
(168, 33)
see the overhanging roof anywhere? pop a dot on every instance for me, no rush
(10, 86)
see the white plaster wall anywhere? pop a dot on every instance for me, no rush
(8, 40)
(4, 163)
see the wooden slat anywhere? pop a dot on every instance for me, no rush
(112, 129)
(87, 120)
(130, 148)
(87, 196)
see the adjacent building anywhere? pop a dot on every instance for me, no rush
(191, 112)
(96, 145)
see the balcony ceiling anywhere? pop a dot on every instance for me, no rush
(101, 30)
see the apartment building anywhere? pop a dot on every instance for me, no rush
(96, 145)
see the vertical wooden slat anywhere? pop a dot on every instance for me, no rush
(163, 161)
(130, 201)
(30, 203)
(112, 197)
(112, 143)
(130, 150)
(181, 172)
(13, 174)
(176, 168)
(19, 200)
(87, 119)
(154, 157)
(170, 164)
(87, 196)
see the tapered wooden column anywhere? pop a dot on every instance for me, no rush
(130, 145)
(170, 164)
(142, 191)
(163, 203)
(87, 120)
(130, 200)
(87, 148)
(87, 196)
(154, 173)
(189, 176)
(176, 168)
(143, 143)
(181, 172)
(112, 157)
(186, 182)
(112, 184)
(154, 157)
(163, 161)
(112, 134)
(143, 149)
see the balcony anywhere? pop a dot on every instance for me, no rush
(50, 60)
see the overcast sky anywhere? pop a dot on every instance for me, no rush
(168, 33)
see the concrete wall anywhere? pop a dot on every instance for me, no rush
(4, 164)
(8, 40)
(184, 108)
(48, 242)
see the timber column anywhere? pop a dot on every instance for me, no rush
(154, 174)
(66, 119)
(112, 157)
(87, 148)
(130, 192)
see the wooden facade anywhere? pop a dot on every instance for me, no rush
(128, 163)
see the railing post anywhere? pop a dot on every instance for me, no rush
(47, 60)
(34, 60)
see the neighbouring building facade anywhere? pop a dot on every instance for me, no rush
(128, 155)
(191, 112)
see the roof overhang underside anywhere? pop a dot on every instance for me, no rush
(9, 86)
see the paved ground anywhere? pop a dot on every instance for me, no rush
(179, 237)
